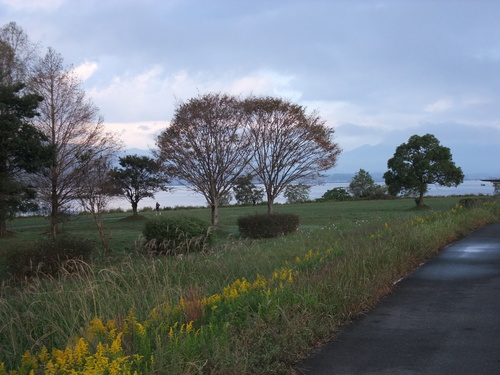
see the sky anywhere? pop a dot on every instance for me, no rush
(378, 72)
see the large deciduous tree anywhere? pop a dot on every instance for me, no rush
(139, 177)
(420, 162)
(23, 151)
(73, 127)
(289, 145)
(206, 146)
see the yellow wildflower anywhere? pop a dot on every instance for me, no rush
(189, 327)
(81, 350)
(116, 345)
(260, 282)
(96, 326)
(44, 355)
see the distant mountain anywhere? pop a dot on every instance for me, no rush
(135, 151)
(372, 159)
(476, 161)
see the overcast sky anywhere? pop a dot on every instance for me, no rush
(376, 71)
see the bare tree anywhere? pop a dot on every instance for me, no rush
(206, 146)
(96, 190)
(74, 128)
(20, 56)
(290, 146)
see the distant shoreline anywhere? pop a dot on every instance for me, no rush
(182, 196)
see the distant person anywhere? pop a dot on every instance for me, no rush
(157, 209)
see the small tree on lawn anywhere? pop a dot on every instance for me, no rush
(297, 193)
(139, 177)
(420, 162)
(362, 185)
(245, 191)
(96, 191)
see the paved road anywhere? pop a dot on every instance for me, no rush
(442, 319)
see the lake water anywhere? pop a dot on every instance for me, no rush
(183, 196)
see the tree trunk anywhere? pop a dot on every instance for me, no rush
(102, 233)
(215, 214)
(3, 228)
(270, 203)
(54, 203)
(134, 208)
(420, 202)
(54, 219)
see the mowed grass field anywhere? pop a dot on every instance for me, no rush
(124, 232)
(244, 306)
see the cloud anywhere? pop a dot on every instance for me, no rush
(133, 98)
(137, 134)
(85, 70)
(440, 105)
(33, 5)
(152, 94)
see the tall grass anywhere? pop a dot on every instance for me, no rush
(248, 307)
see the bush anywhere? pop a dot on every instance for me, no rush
(178, 235)
(475, 202)
(267, 225)
(47, 257)
(336, 194)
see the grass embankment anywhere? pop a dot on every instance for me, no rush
(246, 307)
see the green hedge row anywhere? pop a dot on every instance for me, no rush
(267, 225)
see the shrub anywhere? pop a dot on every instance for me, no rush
(336, 194)
(474, 202)
(165, 235)
(47, 257)
(267, 225)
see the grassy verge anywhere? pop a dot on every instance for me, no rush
(247, 307)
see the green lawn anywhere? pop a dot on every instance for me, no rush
(343, 215)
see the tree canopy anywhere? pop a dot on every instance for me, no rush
(420, 162)
(17, 53)
(74, 128)
(289, 145)
(361, 184)
(137, 178)
(206, 146)
(23, 151)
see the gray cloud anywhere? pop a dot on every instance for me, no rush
(397, 67)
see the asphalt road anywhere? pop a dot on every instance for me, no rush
(442, 319)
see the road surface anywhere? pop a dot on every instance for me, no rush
(442, 319)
